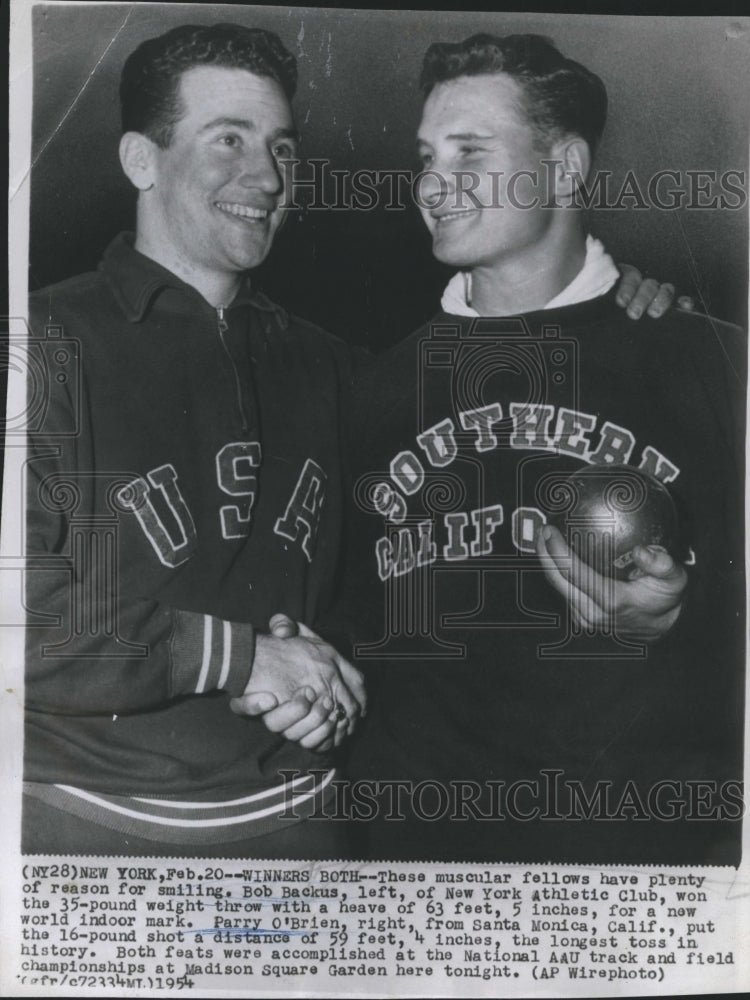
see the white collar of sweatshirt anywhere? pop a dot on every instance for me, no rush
(596, 277)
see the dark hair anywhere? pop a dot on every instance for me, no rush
(149, 86)
(560, 97)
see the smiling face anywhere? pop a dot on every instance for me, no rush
(472, 140)
(212, 207)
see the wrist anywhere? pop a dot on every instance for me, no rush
(210, 654)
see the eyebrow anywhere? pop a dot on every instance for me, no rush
(249, 126)
(459, 137)
(466, 136)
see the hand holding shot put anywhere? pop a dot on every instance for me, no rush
(302, 687)
(618, 572)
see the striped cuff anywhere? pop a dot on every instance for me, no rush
(210, 654)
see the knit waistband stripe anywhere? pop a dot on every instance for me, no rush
(304, 779)
(193, 822)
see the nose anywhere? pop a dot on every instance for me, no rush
(432, 188)
(261, 170)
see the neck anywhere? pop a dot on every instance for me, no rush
(217, 288)
(529, 279)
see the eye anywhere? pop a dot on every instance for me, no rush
(230, 140)
(426, 159)
(284, 150)
(469, 150)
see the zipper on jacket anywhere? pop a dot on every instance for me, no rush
(223, 327)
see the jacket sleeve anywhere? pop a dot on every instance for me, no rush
(94, 644)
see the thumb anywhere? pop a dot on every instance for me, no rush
(254, 704)
(654, 560)
(282, 626)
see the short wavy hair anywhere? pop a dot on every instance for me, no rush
(149, 85)
(560, 96)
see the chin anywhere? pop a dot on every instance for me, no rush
(454, 257)
(247, 261)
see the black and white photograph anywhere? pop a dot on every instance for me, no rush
(373, 553)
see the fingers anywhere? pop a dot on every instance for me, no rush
(282, 626)
(290, 716)
(354, 684)
(254, 704)
(629, 283)
(584, 610)
(349, 705)
(345, 727)
(314, 726)
(320, 741)
(331, 733)
(311, 721)
(644, 296)
(323, 747)
(662, 300)
(588, 593)
(355, 681)
(550, 557)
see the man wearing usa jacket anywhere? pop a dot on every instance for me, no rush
(177, 497)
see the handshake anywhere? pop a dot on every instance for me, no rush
(302, 687)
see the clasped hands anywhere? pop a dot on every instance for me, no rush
(303, 688)
(310, 694)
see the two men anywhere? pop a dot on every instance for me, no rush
(519, 715)
(182, 490)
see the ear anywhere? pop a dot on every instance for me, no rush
(573, 163)
(137, 156)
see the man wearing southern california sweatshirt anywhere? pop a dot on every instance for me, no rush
(530, 710)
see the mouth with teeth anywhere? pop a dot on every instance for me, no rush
(451, 217)
(244, 212)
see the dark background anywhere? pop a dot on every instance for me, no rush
(679, 91)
